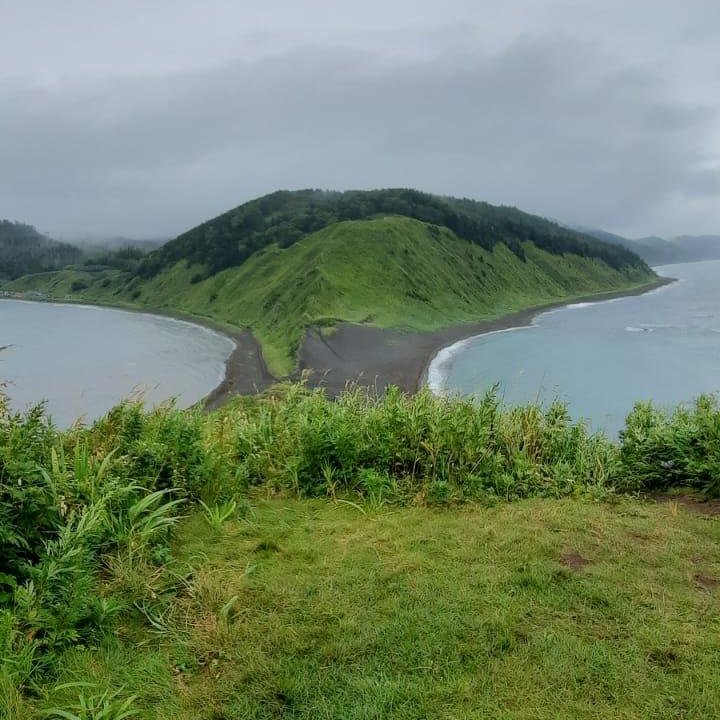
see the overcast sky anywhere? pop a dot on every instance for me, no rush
(147, 117)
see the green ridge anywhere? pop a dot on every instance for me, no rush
(392, 272)
(24, 250)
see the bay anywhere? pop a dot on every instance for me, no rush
(601, 357)
(83, 360)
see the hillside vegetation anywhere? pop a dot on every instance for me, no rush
(24, 250)
(284, 218)
(457, 261)
(292, 556)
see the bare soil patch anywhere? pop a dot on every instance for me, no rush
(708, 582)
(696, 505)
(574, 560)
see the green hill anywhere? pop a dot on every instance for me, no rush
(24, 250)
(292, 260)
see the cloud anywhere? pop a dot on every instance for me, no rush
(552, 124)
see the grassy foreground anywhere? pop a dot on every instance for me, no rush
(289, 556)
(540, 609)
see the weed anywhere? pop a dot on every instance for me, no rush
(94, 705)
(218, 515)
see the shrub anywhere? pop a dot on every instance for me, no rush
(662, 449)
(59, 521)
(164, 446)
(30, 503)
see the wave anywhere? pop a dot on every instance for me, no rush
(577, 306)
(581, 305)
(439, 365)
(641, 329)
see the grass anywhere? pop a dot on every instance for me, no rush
(392, 557)
(390, 272)
(418, 613)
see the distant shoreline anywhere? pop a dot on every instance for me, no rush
(241, 376)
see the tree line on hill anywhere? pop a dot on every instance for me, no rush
(25, 251)
(285, 217)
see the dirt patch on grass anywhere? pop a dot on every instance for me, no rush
(267, 546)
(696, 505)
(664, 658)
(707, 582)
(574, 560)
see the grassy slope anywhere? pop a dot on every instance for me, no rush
(392, 272)
(419, 613)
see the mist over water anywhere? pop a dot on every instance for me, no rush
(602, 357)
(83, 360)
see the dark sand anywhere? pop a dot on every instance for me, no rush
(245, 372)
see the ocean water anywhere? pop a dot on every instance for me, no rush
(601, 357)
(83, 360)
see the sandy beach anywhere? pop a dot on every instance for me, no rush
(245, 371)
(379, 357)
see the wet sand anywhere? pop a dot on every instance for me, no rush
(245, 372)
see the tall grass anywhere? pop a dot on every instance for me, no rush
(427, 448)
(419, 446)
(62, 526)
(661, 449)
(94, 507)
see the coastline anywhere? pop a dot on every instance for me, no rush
(377, 357)
(353, 354)
(526, 318)
(245, 370)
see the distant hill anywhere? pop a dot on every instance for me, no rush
(392, 258)
(685, 248)
(660, 251)
(94, 245)
(24, 250)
